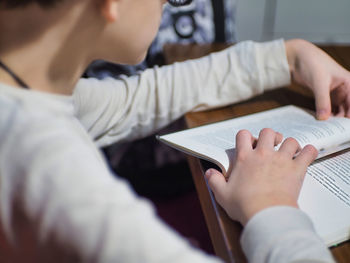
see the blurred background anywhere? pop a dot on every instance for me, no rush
(319, 21)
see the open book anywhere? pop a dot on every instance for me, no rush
(325, 195)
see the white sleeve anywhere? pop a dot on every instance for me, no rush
(133, 107)
(58, 195)
(283, 234)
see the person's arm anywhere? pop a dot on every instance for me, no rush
(128, 108)
(60, 203)
(262, 193)
(283, 234)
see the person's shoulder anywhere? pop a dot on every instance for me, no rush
(21, 119)
(33, 133)
(14, 110)
(14, 121)
(10, 113)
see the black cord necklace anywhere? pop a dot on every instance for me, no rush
(14, 76)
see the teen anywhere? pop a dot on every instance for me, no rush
(59, 201)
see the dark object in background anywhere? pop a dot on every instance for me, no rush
(152, 168)
(203, 21)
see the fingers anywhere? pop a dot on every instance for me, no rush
(307, 155)
(290, 147)
(323, 100)
(278, 138)
(340, 97)
(268, 139)
(244, 141)
(347, 99)
(217, 183)
(340, 111)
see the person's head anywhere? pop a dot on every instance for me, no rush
(116, 30)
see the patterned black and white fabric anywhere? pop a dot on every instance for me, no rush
(203, 21)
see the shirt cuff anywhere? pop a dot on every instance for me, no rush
(282, 234)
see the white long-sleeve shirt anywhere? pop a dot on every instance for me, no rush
(56, 189)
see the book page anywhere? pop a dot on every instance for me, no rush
(325, 197)
(217, 141)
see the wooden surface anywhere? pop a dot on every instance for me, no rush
(223, 231)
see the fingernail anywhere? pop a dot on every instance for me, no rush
(321, 114)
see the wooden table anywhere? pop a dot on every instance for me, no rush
(223, 231)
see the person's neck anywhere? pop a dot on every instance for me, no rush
(50, 59)
(42, 69)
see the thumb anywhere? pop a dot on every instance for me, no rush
(322, 99)
(216, 181)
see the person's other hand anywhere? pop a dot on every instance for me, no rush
(261, 177)
(313, 68)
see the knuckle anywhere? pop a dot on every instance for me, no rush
(291, 140)
(281, 157)
(267, 131)
(263, 153)
(241, 156)
(311, 149)
(280, 135)
(243, 133)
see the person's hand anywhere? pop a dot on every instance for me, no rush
(261, 177)
(313, 68)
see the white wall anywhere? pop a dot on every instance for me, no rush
(320, 21)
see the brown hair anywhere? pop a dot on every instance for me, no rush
(22, 3)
